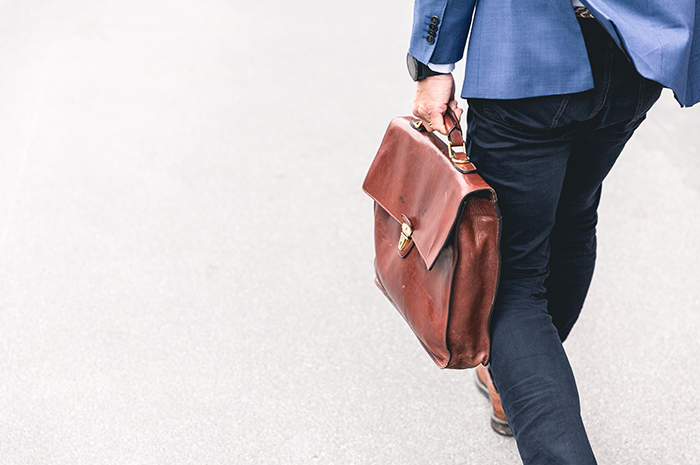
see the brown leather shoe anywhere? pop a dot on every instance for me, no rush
(498, 417)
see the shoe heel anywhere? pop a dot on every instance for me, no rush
(500, 427)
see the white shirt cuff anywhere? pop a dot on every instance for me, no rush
(447, 68)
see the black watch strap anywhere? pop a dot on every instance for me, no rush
(417, 70)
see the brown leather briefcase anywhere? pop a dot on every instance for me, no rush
(436, 230)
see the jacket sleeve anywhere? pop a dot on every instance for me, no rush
(440, 29)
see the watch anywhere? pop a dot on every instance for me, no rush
(417, 70)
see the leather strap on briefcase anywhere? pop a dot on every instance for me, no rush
(437, 231)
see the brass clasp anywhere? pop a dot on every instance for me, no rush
(454, 159)
(405, 238)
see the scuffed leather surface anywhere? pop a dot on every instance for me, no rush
(445, 292)
(412, 175)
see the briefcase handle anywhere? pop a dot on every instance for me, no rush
(454, 138)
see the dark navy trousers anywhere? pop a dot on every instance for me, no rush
(547, 157)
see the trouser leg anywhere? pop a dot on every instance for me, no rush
(607, 117)
(571, 263)
(546, 157)
(534, 379)
(529, 365)
(573, 239)
(527, 167)
(549, 184)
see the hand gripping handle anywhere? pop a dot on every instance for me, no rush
(457, 149)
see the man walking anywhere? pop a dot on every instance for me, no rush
(555, 90)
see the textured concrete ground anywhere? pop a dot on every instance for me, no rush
(186, 254)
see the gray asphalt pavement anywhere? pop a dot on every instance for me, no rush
(186, 253)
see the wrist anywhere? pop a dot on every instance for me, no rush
(420, 71)
(446, 68)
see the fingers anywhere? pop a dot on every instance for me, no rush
(457, 111)
(423, 114)
(431, 118)
(434, 119)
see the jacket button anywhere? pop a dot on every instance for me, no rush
(430, 39)
(433, 27)
(435, 20)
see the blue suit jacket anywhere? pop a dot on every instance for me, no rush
(528, 48)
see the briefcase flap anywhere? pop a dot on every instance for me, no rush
(412, 175)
